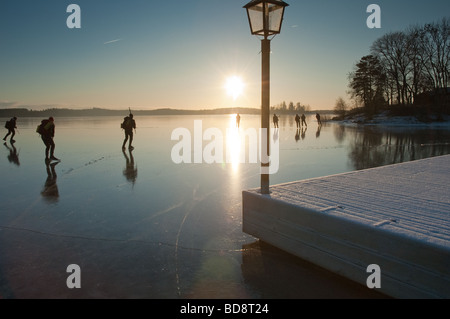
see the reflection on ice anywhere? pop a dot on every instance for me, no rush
(50, 190)
(319, 128)
(130, 171)
(233, 144)
(13, 156)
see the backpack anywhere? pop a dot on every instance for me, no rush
(127, 123)
(40, 128)
(123, 124)
(8, 124)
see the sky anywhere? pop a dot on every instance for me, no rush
(148, 54)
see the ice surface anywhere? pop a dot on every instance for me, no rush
(139, 225)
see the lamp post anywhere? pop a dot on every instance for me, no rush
(265, 18)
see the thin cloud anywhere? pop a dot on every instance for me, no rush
(112, 41)
(9, 105)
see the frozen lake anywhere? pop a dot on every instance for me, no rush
(141, 226)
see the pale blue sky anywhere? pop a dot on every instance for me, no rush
(149, 54)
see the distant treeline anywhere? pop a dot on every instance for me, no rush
(404, 69)
(291, 108)
(61, 112)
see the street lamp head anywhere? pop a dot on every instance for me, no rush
(265, 16)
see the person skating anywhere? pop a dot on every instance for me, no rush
(11, 126)
(297, 120)
(47, 131)
(128, 125)
(275, 121)
(304, 120)
(319, 122)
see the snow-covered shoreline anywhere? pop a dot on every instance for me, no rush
(383, 119)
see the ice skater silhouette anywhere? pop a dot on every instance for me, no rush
(47, 131)
(128, 125)
(275, 121)
(304, 120)
(11, 127)
(297, 120)
(318, 119)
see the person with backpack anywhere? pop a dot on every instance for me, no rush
(275, 121)
(318, 119)
(128, 125)
(297, 120)
(304, 120)
(11, 126)
(47, 131)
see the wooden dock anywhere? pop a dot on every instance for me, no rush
(396, 217)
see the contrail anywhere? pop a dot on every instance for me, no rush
(112, 41)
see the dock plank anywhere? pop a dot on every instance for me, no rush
(396, 216)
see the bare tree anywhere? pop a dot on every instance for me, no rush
(340, 107)
(417, 80)
(392, 50)
(415, 61)
(435, 52)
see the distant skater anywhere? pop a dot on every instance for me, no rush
(238, 120)
(47, 131)
(304, 120)
(318, 119)
(275, 120)
(128, 125)
(297, 120)
(11, 126)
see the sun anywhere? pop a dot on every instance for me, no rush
(234, 86)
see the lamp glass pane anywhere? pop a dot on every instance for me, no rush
(255, 14)
(275, 18)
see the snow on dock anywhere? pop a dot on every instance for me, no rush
(396, 217)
